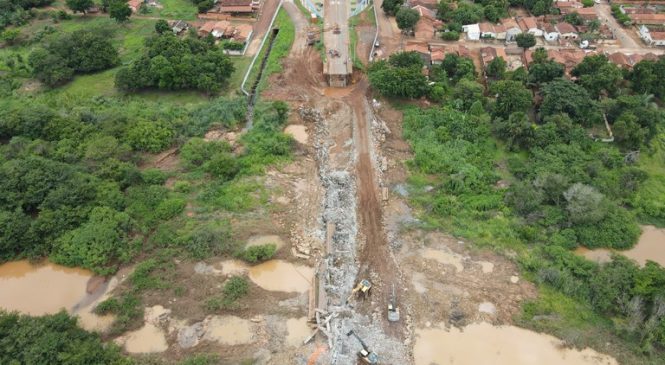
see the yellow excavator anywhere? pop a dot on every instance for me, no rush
(363, 288)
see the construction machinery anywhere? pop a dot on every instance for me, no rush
(367, 356)
(314, 33)
(363, 288)
(393, 310)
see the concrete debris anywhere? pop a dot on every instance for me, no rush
(340, 269)
(189, 336)
(487, 307)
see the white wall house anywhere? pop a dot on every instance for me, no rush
(472, 31)
(652, 38)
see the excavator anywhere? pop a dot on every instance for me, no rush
(367, 356)
(314, 33)
(363, 288)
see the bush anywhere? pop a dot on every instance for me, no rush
(154, 176)
(64, 55)
(149, 136)
(166, 55)
(255, 254)
(169, 208)
(53, 339)
(450, 36)
(212, 239)
(182, 186)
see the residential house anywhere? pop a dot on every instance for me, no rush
(238, 6)
(242, 33)
(529, 24)
(620, 59)
(222, 29)
(512, 29)
(566, 7)
(135, 5)
(488, 54)
(425, 12)
(549, 32)
(206, 28)
(566, 31)
(178, 26)
(587, 14)
(637, 10)
(487, 30)
(430, 4)
(500, 31)
(472, 31)
(648, 19)
(422, 49)
(652, 38)
(569, 57)
(427, 24)
(437, 54)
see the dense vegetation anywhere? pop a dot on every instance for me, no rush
(18, 12)
(173, 63)
(63, 55)
(52, 339)
(512, 169)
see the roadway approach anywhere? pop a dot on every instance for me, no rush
(338, 66)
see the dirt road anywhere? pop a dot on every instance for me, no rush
(604, 13)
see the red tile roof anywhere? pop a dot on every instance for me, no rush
(565, 28)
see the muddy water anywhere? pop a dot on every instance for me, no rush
(278, 275)
(651, 246)
(297, 331)
(47, 288)
(265, 240)
(148, 339)
(299, 132)
(446, 258)
(229, 330)
(233, 267)
(484, 344)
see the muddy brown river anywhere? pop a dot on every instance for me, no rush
(651, 246)
(485, 344)
(46, 288)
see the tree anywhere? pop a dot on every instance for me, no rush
(120, 11)
(496, 68)
(390, 7)
(79, 5)
(406, 59)
(64, 55)
(393, 81)
(511, 97)
(574, 18)
(542, 72)
(162, 26)
(539, 55)
(598, 75)
(525, 40)
(445, 11)
(584, 204)
(467, 13)
(564, 96)
(517, 130)
(492, 13)
(407, 18)
(467, 92)
(457, 68)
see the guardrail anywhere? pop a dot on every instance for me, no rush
(376, 36)
(263, 41)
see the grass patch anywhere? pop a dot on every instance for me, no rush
(281, 47)
(234, 289)
(175, 10)
(648, 201)
(259, 253)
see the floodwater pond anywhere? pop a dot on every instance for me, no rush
(278, 275)
(651, 246)
(485, 344)
(47, 288)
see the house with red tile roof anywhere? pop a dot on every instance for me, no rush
(529, 24)
(238, 6)
(566, 31)
(648, 19)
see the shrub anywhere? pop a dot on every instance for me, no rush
(258, 253)
(149, 136)
(153, 176)
(450, 36)
(182, 186)
(169, 208)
